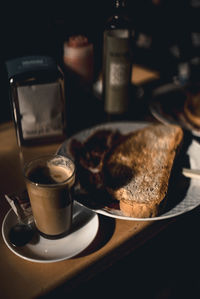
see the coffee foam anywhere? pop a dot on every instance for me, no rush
(59, 174)
(56, 170)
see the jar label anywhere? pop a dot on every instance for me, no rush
(40, 108)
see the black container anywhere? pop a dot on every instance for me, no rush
(38, 99)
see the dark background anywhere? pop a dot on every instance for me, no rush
(41, 28)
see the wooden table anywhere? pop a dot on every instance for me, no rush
(115, 239)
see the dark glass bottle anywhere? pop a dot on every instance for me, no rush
(117, 62)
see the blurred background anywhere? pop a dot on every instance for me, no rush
(167, 33)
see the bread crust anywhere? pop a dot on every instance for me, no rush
(139, 210)
(137, 171)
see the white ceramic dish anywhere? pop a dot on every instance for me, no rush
(42, 250)
(187, 203)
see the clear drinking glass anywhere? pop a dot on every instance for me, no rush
(50, 180)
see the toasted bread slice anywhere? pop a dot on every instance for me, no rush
(137, 171)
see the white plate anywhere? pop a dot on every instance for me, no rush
(168, 95)
(191, 199)
(84, 229)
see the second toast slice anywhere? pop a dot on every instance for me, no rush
(137, 171)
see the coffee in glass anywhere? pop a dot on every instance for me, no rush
(50, 182)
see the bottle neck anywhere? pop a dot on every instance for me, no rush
(120, 3)
(120, 18)
(119, 7)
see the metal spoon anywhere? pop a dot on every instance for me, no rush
(21, 234)
(23, 231)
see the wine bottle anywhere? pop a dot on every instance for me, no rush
(117, 62)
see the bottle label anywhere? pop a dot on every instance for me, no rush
(117, 71)
(118, 74)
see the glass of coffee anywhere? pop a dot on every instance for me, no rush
(50, 182)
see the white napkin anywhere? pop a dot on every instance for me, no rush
(194, 154)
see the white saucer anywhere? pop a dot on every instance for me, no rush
(84, 229)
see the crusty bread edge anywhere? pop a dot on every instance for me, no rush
(151, 209)
(139, 210)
